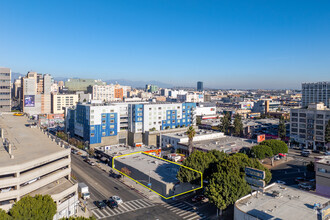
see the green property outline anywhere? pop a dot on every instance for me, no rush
(113, 159)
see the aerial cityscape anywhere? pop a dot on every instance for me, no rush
(164, 110)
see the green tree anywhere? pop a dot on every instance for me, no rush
(282, 129)
(39, 208)
(225, 123)
(277, 146)
(261, 151)
(198, 120)
(227, 184)
(4, 215)
(327, 132)
(238, 125)
(310, 167)
(197, 160)
(191, 134)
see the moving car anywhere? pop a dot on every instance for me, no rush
(306, 153)
(112, 203)
(198, 198)
(100, 204)
(117, 199)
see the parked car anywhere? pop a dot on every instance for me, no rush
(277, 157)
(87, 160)
(74, 151)
(305, 186)
(306, 153)
(300, 179)
(117, 199)
(112, 203)
(115, 175)
(280, 182)
(198, 198)
(327, 153)
(100, 204)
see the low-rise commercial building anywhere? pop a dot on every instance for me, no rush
(31, 164)
(322, 173)
(281, 202)
(75, 85)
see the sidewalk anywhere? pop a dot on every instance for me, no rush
(267, 162)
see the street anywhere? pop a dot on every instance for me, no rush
(134, 206)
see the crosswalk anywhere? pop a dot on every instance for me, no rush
(122, 208)
(184, 210)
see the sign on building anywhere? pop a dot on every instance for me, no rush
(255, 173)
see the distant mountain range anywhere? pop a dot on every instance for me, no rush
(124, 82)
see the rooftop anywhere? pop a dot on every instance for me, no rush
(226, 144)
(117, 150)
(290, 204)
(54, 188)
(158, 169)
(199, 133)
(28, 144)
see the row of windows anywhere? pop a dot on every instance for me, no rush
(4, 87)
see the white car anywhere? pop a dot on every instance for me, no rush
(280, 182)
(117, 199)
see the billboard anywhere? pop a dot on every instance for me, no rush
(255, 182)
(29, 101)
(259, 174)
(261, 138)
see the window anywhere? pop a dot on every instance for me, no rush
(92, 134)
(112, 132)
(302, 115)
(103, 126)
(112, 121)
(319, 127)
(103, 133)
(319, 116)
(112, 126)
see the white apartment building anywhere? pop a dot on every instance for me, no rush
(60, 101)
(104, 93)
(31, 164)
(160, 116)
(191, 97)
(316, 92)
(307, 125)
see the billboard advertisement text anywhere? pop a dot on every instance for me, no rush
(29, 101)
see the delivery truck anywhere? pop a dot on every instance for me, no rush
(83, 191)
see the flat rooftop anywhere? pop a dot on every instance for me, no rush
(157, 169)
(27, 143)
(54, 187)
(117, 150)
(226, 144)
(324, 160)
(291, 204)
(199, 133)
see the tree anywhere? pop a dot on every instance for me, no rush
(261, 151)
(327, 132)
(282, 128)
(310, 167)
(238, 125)
(225, 123)
(277, 146)
(91, 152)
(39, 207)
(198, 120)
(227, 184)
(4, 215)
(191, 134)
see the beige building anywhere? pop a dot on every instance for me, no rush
(61, 101)
(5, 91)
(31, 164)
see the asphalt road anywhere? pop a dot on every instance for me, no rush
(101, 186)
(287, 172)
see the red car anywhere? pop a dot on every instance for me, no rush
(198, 198)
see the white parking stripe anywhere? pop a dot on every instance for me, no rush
(127, 206)
(112, 212)
(194, 213)
(131, 204)
(176, 207)
(195, 217)
(140, 203)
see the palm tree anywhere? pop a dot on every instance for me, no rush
(191, 133)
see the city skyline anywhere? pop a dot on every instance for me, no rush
(232, 45)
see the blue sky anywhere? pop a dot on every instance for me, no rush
(226, 44)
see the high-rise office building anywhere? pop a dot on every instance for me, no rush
(315, 93)
(5, 94)
(200, 86)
